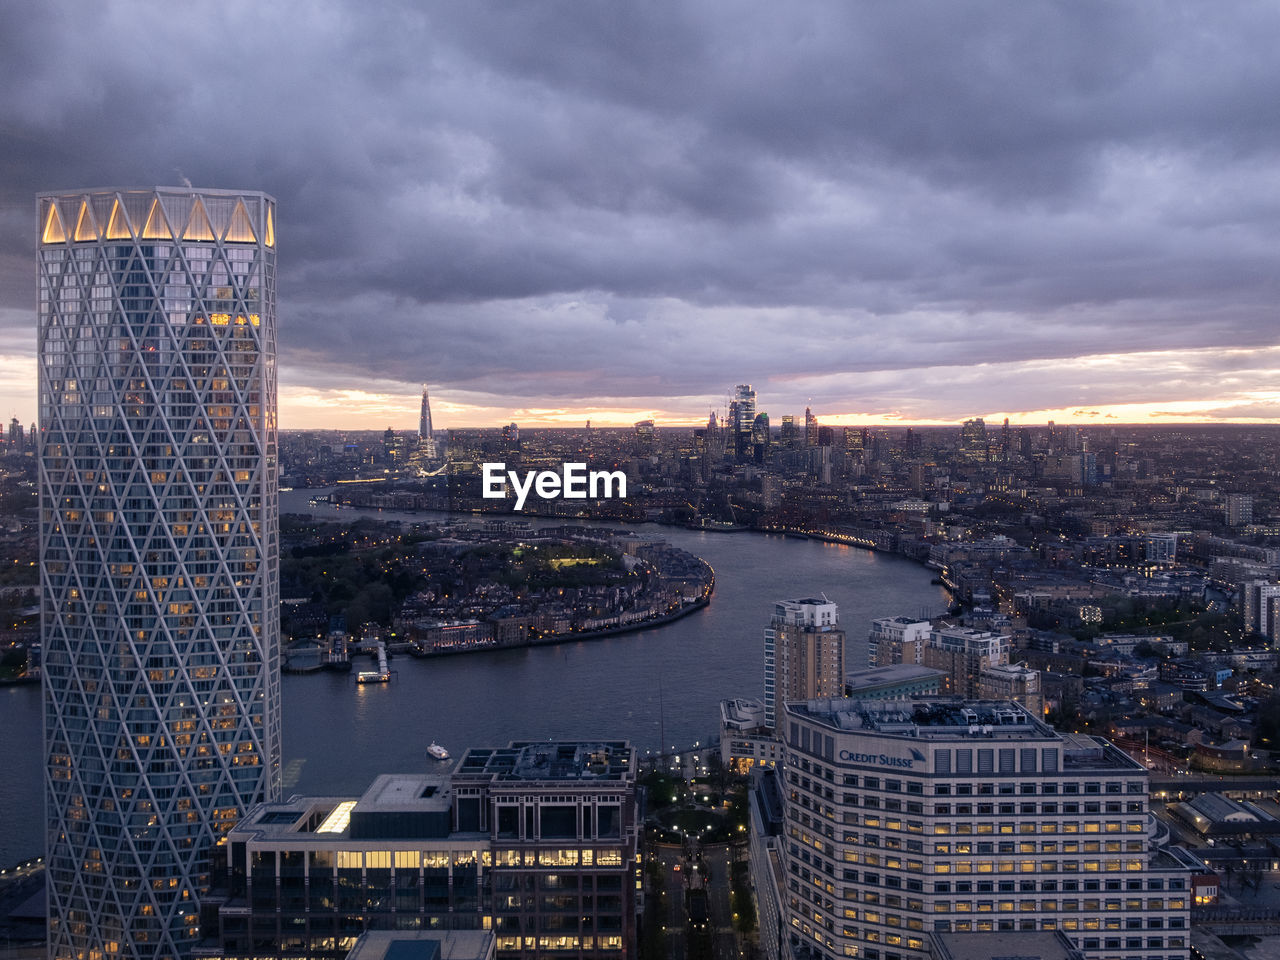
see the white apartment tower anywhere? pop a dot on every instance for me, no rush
(1259, 599)
(159, 552)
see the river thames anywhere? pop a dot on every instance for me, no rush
(664, 682)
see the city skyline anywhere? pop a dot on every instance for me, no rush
(903, 215)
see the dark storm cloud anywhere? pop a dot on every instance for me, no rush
(566, 200)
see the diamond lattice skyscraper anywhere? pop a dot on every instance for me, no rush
(159, 552)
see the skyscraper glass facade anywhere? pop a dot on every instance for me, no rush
(159, 552)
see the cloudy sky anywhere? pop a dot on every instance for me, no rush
(894, 212)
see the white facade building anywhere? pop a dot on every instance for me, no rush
(1258, 599)
(896, 640)
(946, 815)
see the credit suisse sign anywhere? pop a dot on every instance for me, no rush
(885, 760)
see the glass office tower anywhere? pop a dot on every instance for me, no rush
(159, 552)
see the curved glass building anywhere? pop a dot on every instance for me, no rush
(159, 552)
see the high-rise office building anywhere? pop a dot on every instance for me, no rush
(159, 552)
(789, 434)
(644, 436)
(425, 434)
(743, 409)
(810, 427)
(715, 444)
(538, 842)
(905, 821)
(761, 439)
(803, 654)
(973, 440)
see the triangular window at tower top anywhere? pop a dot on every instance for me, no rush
(53, 229)
(155, 227)
(240, 229)
(198, 226)
(85, 230)
(117, 225)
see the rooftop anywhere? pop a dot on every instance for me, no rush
(891, 674)
(954, 718)
(1011, 669)
(402, 792)
(927, 717)
(1010, 945)
(740, 711)
(552, 760)
(1214, 813)
(421, 945)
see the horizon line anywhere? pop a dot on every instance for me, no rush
(930, 425)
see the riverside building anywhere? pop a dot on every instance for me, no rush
(536, 842)
(897, 640)
(803, 654)
(159, 543)
(908, 819)
(963, 654)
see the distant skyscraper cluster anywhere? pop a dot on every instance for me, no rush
(745, 436)
(159, 552)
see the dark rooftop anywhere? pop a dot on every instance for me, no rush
(552, 760)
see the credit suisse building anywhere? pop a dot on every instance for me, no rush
(907, 818)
